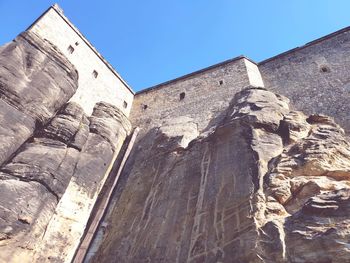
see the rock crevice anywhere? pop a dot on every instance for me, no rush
(249, 185)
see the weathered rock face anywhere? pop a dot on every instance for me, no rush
(54, 159)
(108, 128)
(266, 185)
(261, 183)
(36, 178)
(69, 157)
(36, 80)
(311, 181)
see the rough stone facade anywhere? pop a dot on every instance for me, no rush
(107, 85)
(314, 77)
(236, 162)
(200, 96)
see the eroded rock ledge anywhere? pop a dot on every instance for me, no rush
(263, 183)
(268, 184)
(54, 159)
(36, 80)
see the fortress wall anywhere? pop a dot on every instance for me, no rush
(108, 86)
(315, 77)
(207, 93)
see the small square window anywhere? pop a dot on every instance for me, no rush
(125, 104)
(70, 49)
(325, 69)
(182, 95)
(95, 74)
(221, 82)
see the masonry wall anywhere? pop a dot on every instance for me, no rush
(107, 86)
(206, 94)
(316, 77)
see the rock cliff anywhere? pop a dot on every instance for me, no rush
(54, 158)
(267, 184)
(262, 183)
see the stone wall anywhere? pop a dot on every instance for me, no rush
(211, 173)
(54, 158)
(205, 94)
(107, 86)
(314, 77)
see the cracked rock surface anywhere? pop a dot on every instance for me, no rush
(268, 184)
(262, 183)
(33, 181)
(35, 82)
(54, 158)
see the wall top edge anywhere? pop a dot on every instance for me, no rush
(59, 11)
(308, 44)
(194, 73)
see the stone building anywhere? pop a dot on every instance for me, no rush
(201, 168)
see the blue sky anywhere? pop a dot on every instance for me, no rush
(149, 42)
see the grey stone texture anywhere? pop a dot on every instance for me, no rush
(33, 182)
(243, 192)
(224, 169)
(70, 149)
(206, 94)
(107, 130)
(315, 77)
(53, 156)
(36, 80)
(107, 85)
(290, 158)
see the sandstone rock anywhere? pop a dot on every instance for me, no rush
(70, 126)
(66, 164)
(262, 183)
(195, 205)
(109, 122)
(320, 231)
(42, 167)
(36, 80)
(181, 131)
(259, 187)
(294, 126)
(108, 128)
(311, 179)
(319, 161)
(54, 158)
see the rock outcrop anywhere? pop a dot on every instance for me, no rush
(34, 181)
(261, 183)
(105, 135)
(310, 179)
(36, 80)
(268, 184)
(54, 159)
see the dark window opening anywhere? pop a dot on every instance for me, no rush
(125, 104)
(77, 43)
(144, 107)
(324, 69)
(95, 74)
(221, 82)
(182, 95)
(70, 49)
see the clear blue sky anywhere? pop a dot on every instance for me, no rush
(149, 42)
